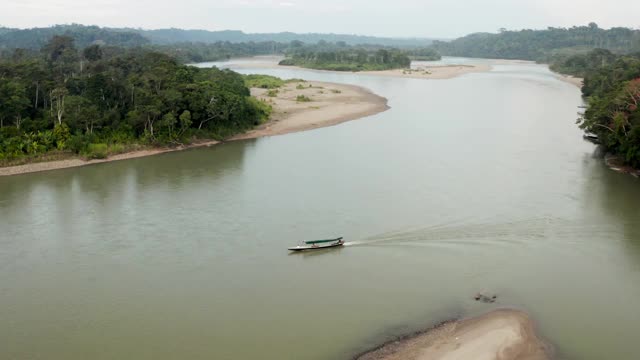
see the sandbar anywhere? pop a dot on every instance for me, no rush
(498, 335)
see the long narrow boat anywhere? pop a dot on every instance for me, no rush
(318, 244)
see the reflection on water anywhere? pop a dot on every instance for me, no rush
(459, 187)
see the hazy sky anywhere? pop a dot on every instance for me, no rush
(429, 18)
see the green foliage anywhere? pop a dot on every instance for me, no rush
(272, 93)
(287, 62)
(339, 57)
(582, 63)
(97, 151)
(263, 81)
(61, 135)
(541, 45)
(303, 98)
(84, 36)
(612, 84)
(424, 54)
(79, 143)
(120, 97)
(188, 52)
(263, 110)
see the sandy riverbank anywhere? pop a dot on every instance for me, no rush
(570, 79)
(75, 162)
(498, 335)
(330, 104)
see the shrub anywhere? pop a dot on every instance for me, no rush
(272, 93)
(287, 62)
(263, 81)
(262, 110)
(116, 149)
(303, 98)
(61, 134)
(97, 151)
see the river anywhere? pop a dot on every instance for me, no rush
(477, 183)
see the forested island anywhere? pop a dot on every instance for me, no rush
(341, 57)
(95, 102)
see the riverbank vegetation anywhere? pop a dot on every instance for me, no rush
(542, 45)
(97, 101)
(342, 57)
(424, 54)
(612, 88)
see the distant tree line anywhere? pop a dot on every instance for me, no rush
(171, 36)
(192, 46)
(202, 52)
(101, 99)
(83, 36)
(541, 45)
(36, 37)
(424, 54)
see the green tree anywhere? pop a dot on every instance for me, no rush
(14, 102)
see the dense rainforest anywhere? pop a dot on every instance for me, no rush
(83, 36)
(202, 52)
(99, 101)
(612, 88)
(342, 57)
(542, 45)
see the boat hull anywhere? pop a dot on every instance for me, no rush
(309, 248)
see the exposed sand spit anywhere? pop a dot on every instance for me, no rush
(498, 335)
(329, 104)
(69, 163)
(432, 72)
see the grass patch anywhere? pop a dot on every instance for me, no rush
(97, 151)
(263, 81)
(272, 92)
(303, 98)
(295, 80)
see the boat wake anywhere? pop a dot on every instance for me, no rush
(514, 232)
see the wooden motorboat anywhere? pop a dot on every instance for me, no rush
(318, 244)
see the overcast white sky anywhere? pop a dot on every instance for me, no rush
(424, 18)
